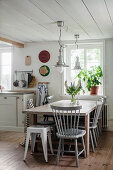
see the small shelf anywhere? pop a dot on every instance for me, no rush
(22, 71)
(43, 82)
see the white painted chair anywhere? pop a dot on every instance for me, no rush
(44, 133)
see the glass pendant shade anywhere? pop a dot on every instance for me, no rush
(60, 69)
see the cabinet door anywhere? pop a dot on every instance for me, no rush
(8, 113)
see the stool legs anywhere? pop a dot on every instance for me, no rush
(43, 133)
(33, 139)
(44, 144)
(50, 142)
(27, 143)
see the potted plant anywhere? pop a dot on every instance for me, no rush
(73, 89)
(92, 78)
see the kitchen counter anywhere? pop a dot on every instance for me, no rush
(17, 92)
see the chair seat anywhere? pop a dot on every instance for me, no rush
(46, 123)
(72, 134)
(91, 126)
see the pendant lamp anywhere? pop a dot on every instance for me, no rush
(77, 62)
(60, 65)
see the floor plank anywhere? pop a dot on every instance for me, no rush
(11, 155)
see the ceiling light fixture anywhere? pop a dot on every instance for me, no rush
(60, 64)
(77, 63)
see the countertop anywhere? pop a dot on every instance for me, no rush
(17, 92)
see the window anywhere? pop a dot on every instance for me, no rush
(5, 67)
(89, 55)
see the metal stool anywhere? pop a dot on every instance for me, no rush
(44, 132)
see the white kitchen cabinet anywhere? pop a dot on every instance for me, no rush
(11, 107)
(7, 111)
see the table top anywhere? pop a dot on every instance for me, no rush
(87, 107)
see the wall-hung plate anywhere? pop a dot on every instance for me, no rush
(44, 70)
(44, 56)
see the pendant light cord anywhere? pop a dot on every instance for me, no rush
(59, 41)
(76, 41)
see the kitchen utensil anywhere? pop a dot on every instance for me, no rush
(22, 83)
(30, 78)
(32, 83)
(15, 83)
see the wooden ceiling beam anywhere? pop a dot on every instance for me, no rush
(17, 44)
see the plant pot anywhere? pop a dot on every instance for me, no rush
(94, 90)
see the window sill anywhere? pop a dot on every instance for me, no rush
(82, 97)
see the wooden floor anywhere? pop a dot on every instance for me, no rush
(11, 155)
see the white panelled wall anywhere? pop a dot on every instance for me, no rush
(55, 79)
(108, 70)
(33, 50)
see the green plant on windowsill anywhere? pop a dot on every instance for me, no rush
(73, 90)
(92, 78)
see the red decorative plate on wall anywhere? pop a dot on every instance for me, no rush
(44, 56)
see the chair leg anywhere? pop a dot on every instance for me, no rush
(97, 132)
(62, 147)
(58, 153)
(44, 144)
(50, 142)
(94, 137)
(69, 147)
(54, 131)
(27, 143)
(76, 152)
(99, 128)
(83, 145)
(91, 139)
(33, 139)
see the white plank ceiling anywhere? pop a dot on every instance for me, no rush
(35, 20)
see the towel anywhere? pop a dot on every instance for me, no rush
(42, 92)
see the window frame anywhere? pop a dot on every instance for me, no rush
(85, 46)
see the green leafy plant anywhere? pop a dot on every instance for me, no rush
(72, 89)
(92, 77)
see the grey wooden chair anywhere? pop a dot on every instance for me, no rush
(94, 132)
(67, 121)
(93, 126)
